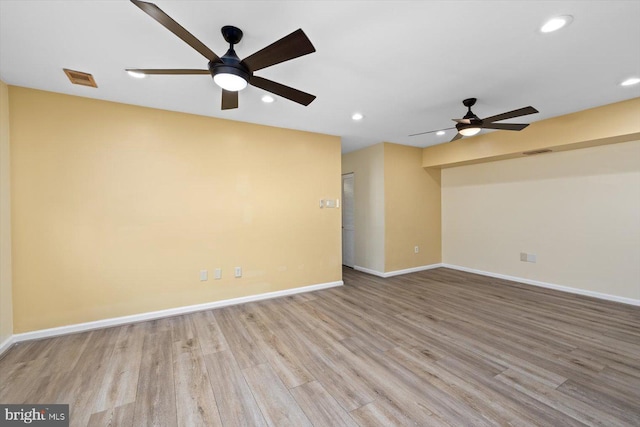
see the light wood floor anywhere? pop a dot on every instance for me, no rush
(434, 348)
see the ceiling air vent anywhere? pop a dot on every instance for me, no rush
(80, 78)
(534, 152)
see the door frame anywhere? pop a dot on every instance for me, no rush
(351, 246)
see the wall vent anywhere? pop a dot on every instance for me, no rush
(534, 152)
(80, 78)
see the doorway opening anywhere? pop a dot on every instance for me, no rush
(348, 220)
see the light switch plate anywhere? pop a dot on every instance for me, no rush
(329, 203)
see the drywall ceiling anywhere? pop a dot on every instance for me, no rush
(405, 65)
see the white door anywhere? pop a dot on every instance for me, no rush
(348, 221)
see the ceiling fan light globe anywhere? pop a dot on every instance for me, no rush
(470, 131)
(230, 82)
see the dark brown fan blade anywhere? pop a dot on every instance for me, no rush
(294, 95)
(229, 100)
(431, 131)
(505, 126)
(465, 121)
(457, 137)
(289, 47)
(165, 20)
(511, 114)
(168, 71)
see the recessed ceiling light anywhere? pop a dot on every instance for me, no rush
(555, 23)
(137, 74)
(268, 99)
(440, 133)
(357, 116)
(630, 81)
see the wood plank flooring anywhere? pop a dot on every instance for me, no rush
(434, 348)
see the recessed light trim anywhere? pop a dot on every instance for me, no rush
(268, 99)
(136, 74)
(556, 23)
(630, 81)
(357, 117)
(440, 133)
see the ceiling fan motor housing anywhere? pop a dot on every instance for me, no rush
(230, 64)
(474, 121)
(473, 124)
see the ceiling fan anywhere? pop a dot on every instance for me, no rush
(471, 124)
(228, 71)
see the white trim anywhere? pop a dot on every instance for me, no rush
(412, 270)
(368, 271)
(396, 272)
(117, 321)
(599, 295)
(6, 344)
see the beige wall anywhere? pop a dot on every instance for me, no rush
(412, 209)
(397, 207)
(6, 302)
(117, 208)
(578, 211)
(367, 166)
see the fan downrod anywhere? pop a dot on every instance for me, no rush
(231, 34)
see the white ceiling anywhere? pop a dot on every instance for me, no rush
(405, 65)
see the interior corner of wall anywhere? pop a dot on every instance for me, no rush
(6, 285)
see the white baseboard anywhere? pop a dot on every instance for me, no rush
(4, 345)
(117, 321)
(368, 271)
(396, 272)
(585, 292)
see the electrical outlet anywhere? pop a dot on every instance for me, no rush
(523, 256)
(416, 249)
(238, 271)
(204, 275)
(217, 274)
